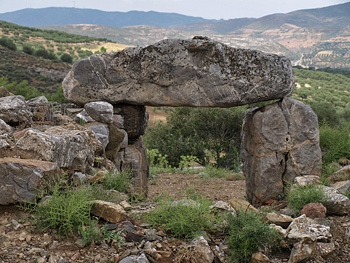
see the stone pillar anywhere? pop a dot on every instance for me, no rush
(280, 141)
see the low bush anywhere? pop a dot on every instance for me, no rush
(65, 210)
(185, 218)
(247, 234)
(299, 196)
(117, 181)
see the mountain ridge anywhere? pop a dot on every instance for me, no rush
(318, 37)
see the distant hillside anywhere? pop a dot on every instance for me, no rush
(310, 38)
(64, 16)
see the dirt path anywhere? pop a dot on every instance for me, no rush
(176, 186)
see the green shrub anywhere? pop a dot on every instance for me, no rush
(117, 181)
(335, 142)
(66, 58)
(299, 196)
(184, 218)
(8, 43)
(247, 234)
(65, 210)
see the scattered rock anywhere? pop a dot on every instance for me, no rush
(279, 219)
(342, 187)
(259, 257)
(336, 204)
(110, 212)
(14, 111)
(306, 179)
(314, 210)
(241, 205)
(21, 180)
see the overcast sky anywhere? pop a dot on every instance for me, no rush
(210, 9)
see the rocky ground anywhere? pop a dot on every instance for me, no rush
(21, 242)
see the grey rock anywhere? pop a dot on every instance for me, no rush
(336, 204)
(135, 159)
(37, 101)
(135, 259)
(101, 132)
(100, 111)
(342, 187)
(5, 129)
(14, 111)
(303, 227)
(200, 251)
(78, 179)
(306, 179)
(71, 146)
(83, 117)
(175, 72)
(280, 141)
(21, 180)
(117, 139)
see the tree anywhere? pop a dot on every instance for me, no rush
(212, 135)
(8, 43)
(66, 58)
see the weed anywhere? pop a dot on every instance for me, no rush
(117, 181)
(184, 218)
(211, 171)
(93, 233)
(247, 234)
(65, 210)
(299, 196)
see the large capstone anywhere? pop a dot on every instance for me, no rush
(198, 73)
(279, 143)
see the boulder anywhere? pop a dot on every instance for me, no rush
(111, 212)
(310, 240)
(200, 251)
(134, 158)
(279, 219)
(342, 186)
(280, 141)
(336, 204)
(314, 210)
(21, 180)
(5, 129)
(199, 72)
(242, 205)
(118, 139)
(14, 111)
(101, 132)
(83, 117)
(70, 146)
(100, 111)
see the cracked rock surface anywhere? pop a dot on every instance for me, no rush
(199, 72)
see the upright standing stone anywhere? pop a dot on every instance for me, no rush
(279, 142)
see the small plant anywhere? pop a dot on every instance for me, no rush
(299, 196)
(184, 218)
(247, 234)
(65, 210)
(117, 181)
(92, 232)
(187, 161)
